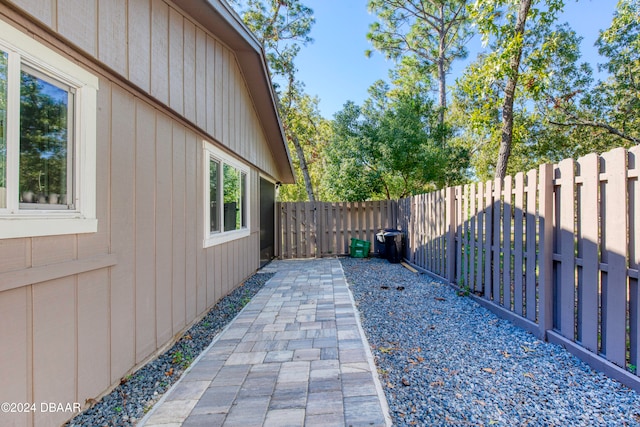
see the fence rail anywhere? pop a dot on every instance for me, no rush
(556, 250)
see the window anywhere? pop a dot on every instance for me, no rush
(47, 140)
(226, 192)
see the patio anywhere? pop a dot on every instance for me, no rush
(295, 355)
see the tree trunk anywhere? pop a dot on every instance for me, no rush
(509, 94)
(442, 72)
(303, 168)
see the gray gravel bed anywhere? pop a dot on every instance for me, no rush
(137, 393)
(445, 360)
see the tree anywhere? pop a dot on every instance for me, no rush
(611, 107)
(433, 32)
(312, 132)
(504, 24)
(282, 26)
(389, 148)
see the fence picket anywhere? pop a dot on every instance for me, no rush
(497, 260)
(506, 242)
(531, 302)
(480, 234)
(634, 257)
(518, 259)
(614, 254)
(488, 233)
(472, 236)
(565, 284)
(459, 243)
(588, 283)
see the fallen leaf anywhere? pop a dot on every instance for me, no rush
(386, 349)
(529, 375)
(505, 354)
(169, 372)
(405, 382)
(390, 385)
(187, 337)
(491, 371)
(420, 359)
(526, 349)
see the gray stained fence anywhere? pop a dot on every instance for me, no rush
(308, 230)
(556, 250)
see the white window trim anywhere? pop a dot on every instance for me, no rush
(16, 223)
(213, 239)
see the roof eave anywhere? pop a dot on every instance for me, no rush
(224, 22)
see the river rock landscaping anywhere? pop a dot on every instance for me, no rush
(445, 360)
(138, 392)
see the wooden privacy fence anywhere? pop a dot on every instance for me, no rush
(318, 229)
(555, 250)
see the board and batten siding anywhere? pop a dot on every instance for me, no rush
(142, 40)
(78, 312)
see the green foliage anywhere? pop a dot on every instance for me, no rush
(303, 119)
(605, 114)
(282, 26)
(429, 34)
(182, 359)
(389, 148)
(480, 98)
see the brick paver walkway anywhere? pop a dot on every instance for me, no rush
(295, 356)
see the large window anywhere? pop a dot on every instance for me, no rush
(226, 197)
(47, 140)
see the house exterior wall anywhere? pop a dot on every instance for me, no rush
(78, 312)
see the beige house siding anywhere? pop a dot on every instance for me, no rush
(143, 41)
(78, 312)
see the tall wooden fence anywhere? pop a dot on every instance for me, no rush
(308, 230)
(555, 250)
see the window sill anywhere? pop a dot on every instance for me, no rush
(17, 226)
(217, 239)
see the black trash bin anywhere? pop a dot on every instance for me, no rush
(393, 246)
(379, 243)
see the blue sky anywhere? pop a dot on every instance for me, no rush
(335, 69)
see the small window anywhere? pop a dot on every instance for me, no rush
(214, 184)
(47, 140)
(227, 194)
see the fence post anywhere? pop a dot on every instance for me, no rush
(318, 219)
(450, 253)
(545, 257)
